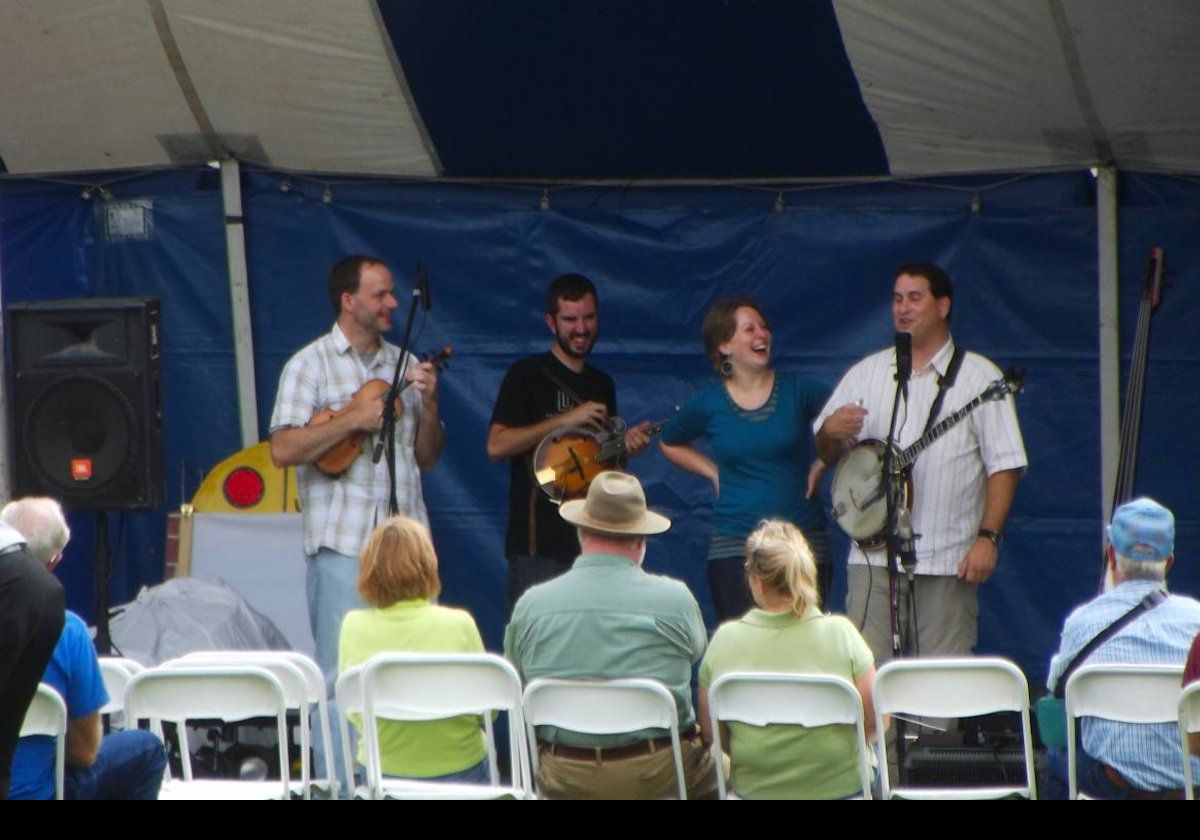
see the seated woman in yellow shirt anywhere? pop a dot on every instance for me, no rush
(398, 579)
(787, 632)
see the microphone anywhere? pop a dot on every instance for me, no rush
(903, 357)
(904, 539)
(421, 289)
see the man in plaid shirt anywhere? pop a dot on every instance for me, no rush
(339, 513)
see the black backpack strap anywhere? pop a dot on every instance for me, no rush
(1146, 604)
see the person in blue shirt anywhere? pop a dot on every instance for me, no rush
(122, 765)
(756, 424)
(1128, 760)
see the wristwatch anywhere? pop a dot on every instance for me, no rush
(994, 536)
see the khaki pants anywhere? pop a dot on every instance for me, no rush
(947, 625)
(947, 612)
(650, 776)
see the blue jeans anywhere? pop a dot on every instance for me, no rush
(479, 774)
(730, 590)
(1089, 776)
(332, 583)
(129, 765)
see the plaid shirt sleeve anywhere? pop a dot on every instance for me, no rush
(297, 398)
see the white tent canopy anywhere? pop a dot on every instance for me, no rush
(320, 85)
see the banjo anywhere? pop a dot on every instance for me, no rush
(859, 488)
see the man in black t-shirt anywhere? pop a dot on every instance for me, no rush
(542, 394)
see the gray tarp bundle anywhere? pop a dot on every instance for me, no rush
(185, 615)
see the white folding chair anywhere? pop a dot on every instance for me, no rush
(953, 688)
(807, 700)
(314, 696)
(116, 672)
(603, 707)
(295, 694)
(425, 686)
(1122, 693)
(47, 715)
(130, 665)
(228, 693)
(1189, 721)
(349, 696)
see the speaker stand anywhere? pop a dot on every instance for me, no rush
(101, 564)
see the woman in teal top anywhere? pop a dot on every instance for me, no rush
(757, 424)
(398, 579)
(788, 633)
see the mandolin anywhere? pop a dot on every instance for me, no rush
(338, 458)
(567, 460)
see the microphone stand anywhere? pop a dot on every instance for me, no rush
(101, 571)
(387, 434)
(891, 487)
(900, 555)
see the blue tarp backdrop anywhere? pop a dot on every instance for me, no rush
(819, 259)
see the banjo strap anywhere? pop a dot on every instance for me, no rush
(945, 383)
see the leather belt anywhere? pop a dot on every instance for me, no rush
(1121, 782)
(600, 754)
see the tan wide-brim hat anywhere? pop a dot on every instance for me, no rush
(615, 504)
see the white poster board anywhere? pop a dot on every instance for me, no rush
(261, 556)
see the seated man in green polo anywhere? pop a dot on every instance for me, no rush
(606, 618)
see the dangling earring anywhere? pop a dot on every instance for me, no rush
(726, 367)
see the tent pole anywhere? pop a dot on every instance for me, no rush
(1110, 342)
(5, 450)
(239, 294)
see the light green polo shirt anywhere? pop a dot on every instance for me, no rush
(420, 749)
(606, 619)
(789, 762)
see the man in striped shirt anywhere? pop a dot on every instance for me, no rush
(963, 484)
(1127, 760)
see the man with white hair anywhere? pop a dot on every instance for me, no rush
(122, 765)
(1122, 760)
(40, 520)
(31, 618)
(606, 618)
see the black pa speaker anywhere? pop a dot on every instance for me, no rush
(86, 401)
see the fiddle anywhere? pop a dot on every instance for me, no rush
(338, 458)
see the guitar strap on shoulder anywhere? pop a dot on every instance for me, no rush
(534, 491)
(945, 383)
(562, 386)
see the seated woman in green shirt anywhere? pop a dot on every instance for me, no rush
(398, 579)
(787, 632)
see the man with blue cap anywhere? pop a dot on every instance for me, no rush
(1121, 760)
